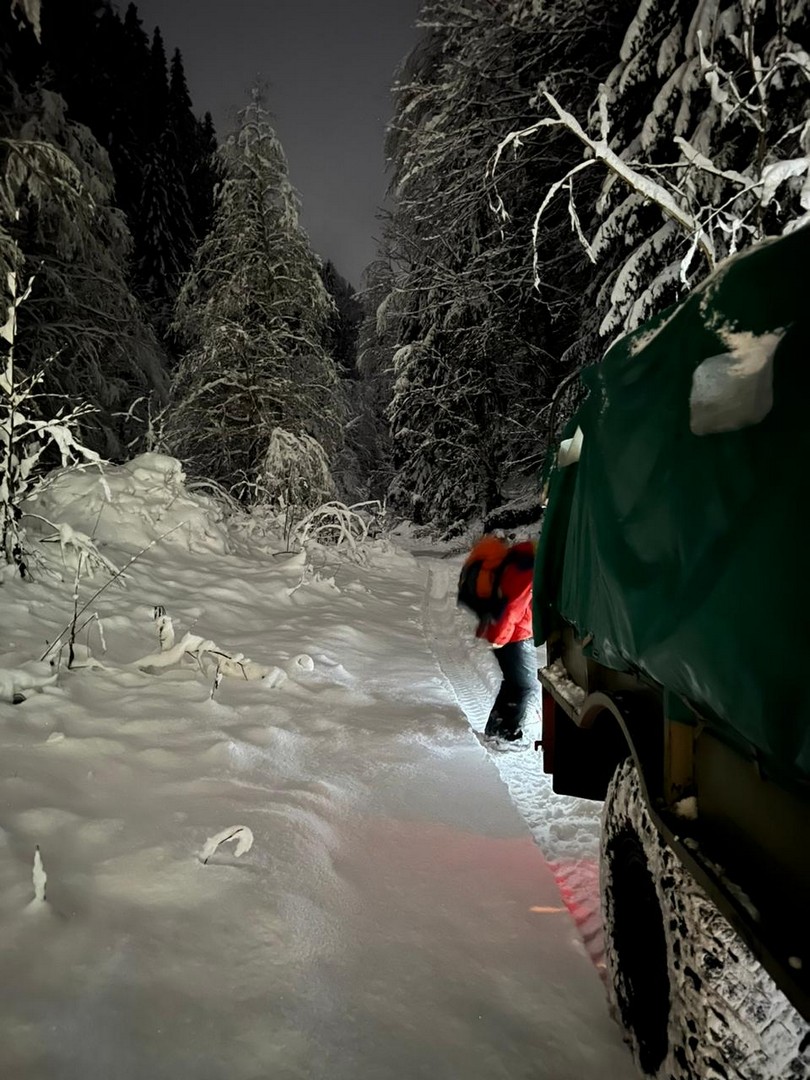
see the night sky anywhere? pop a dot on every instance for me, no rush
(328, 66)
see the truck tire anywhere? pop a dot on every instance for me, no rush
(692, 1000)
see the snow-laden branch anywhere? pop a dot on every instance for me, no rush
(700, 161)
(30, 9)
(208, 656)
(205, 655)
(650, 189)
(601, 151)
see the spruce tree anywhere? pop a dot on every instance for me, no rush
(481, 340)
(706, 111)
(344, 322)
(131, 129)
(182, 125)
(205, 176)
(251, 317)
(157, 87)
(81, 320)
(165, 237)
(194, 149)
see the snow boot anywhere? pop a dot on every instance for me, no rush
(499, 728)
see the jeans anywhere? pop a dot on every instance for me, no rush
(519, 696)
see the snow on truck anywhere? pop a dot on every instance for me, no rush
(672, 593)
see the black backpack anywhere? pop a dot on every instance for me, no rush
(486, 601)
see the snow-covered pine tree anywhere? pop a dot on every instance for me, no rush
(205, 177)
(164, 232)
(116, 83)
(81, 317)
(707, 112)
(71, 53)
(479, 349)
(194, 146)
(363, 471)
(130, 133)
(251, 319)
(344, 322)
(445, 415)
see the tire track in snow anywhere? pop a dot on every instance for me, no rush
(565, 829)
(440, 628)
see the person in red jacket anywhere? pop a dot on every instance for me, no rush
(506, 574)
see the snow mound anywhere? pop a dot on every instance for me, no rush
(302, 662)
(135, 504)
(16, 681)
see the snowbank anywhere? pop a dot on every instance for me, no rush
(131, 505)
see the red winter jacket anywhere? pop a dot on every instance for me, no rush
(516, 586)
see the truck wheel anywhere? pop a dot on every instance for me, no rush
(694, 1003)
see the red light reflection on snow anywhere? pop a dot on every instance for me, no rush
(578, 882)
(460, 867)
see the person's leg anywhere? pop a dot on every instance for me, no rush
(524, 678)
(519, 694)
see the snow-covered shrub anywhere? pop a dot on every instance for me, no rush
(338, 525)
(295, 476)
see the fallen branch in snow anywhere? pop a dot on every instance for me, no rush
(240, 833)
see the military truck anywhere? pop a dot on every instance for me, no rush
(672, 594)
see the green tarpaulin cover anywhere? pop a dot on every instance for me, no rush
(678, 538)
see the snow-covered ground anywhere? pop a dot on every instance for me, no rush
(393, 917)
